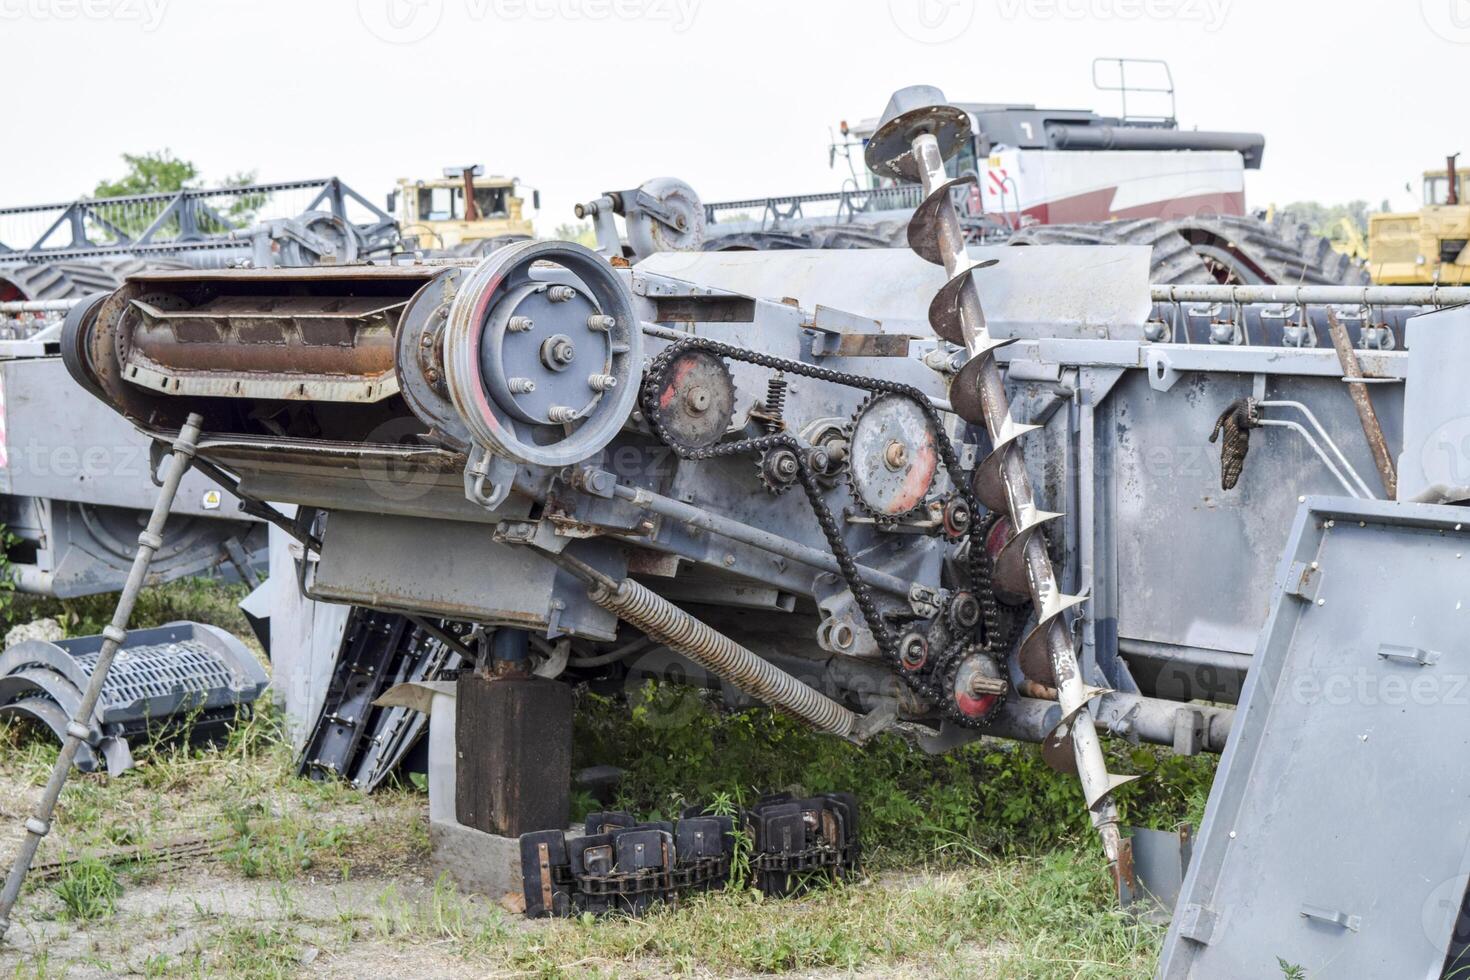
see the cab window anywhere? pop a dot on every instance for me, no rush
(1437, 189)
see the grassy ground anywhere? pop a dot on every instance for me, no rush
(979, 863)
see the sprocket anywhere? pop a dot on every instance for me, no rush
(974, 687)
(693, 395)
(893, 456)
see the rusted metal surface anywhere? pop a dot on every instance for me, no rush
(320, 334)
(334, 348)
(1382, 458)
(513, 737)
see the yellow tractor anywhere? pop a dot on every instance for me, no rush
(464, 212)
(1431, 245)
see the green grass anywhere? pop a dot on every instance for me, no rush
(980, 862)
(87, 889)
(997, 795)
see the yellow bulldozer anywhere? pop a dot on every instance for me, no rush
(1428, 246)
(464, 212)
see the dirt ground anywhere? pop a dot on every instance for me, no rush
(223, 864)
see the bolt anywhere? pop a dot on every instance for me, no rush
(786, 465)
(519, 324)
(431, 376)
(599, 321)
(729, 560)
(558, 351)
(913, 651)
(561, 413)
(426, 340)
(521, 386)
(895, 456)
(560, 294)
(601, 382)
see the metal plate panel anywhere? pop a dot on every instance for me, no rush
(1166, 479)
(1436, 456)
(61, 443)
(1092, 291)
(1337, 834)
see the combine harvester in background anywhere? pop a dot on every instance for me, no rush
(1033, 176)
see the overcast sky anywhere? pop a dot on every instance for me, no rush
(735, 96)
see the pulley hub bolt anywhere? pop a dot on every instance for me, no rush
(557, 352)
(561, 413)
(600, 321)
(601, 382)
(519, 324)
(560, 294)
(896, 455)
(521, 386)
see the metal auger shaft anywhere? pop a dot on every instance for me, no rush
(79, 728)
(943, 223)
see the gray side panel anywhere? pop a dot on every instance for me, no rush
(61, 443)
(1436, 456)
(452, 570)
(1168, 509)
(1337, 833)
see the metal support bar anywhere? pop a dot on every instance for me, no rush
(149, 541)
(1374, 295)
(39, 305)
(1352, 371)
(755, 537)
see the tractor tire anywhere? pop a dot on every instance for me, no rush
(1174, 261)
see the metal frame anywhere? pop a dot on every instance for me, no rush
(189, 209)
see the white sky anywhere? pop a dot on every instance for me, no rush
(735, 96)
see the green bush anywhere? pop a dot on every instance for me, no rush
(677, 746)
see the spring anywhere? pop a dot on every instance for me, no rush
(713, 650)
(775, 406)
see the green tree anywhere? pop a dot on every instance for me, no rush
(581, 232)
(150, 173)
(161, 172)
(1326, 219)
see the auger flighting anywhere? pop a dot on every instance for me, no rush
(918, 132)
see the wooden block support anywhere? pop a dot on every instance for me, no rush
(513, 745)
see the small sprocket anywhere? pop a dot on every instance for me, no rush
(974, 687)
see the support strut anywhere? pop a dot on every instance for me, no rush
(150, 539)
(918, 132)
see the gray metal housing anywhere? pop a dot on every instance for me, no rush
(1336, 837)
